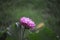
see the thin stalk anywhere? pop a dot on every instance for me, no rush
(22, 32)
(23, 37)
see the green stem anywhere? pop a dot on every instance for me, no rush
(22, 32)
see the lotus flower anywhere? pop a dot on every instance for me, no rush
(27, 22)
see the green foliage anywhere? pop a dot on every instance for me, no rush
(6, 13)
(44, 34)
(54, 19)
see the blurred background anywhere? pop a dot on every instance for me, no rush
(46, 11)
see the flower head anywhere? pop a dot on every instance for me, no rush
(27, 22)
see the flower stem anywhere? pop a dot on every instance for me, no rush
(22, 32)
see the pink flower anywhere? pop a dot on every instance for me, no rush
(27, 22)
